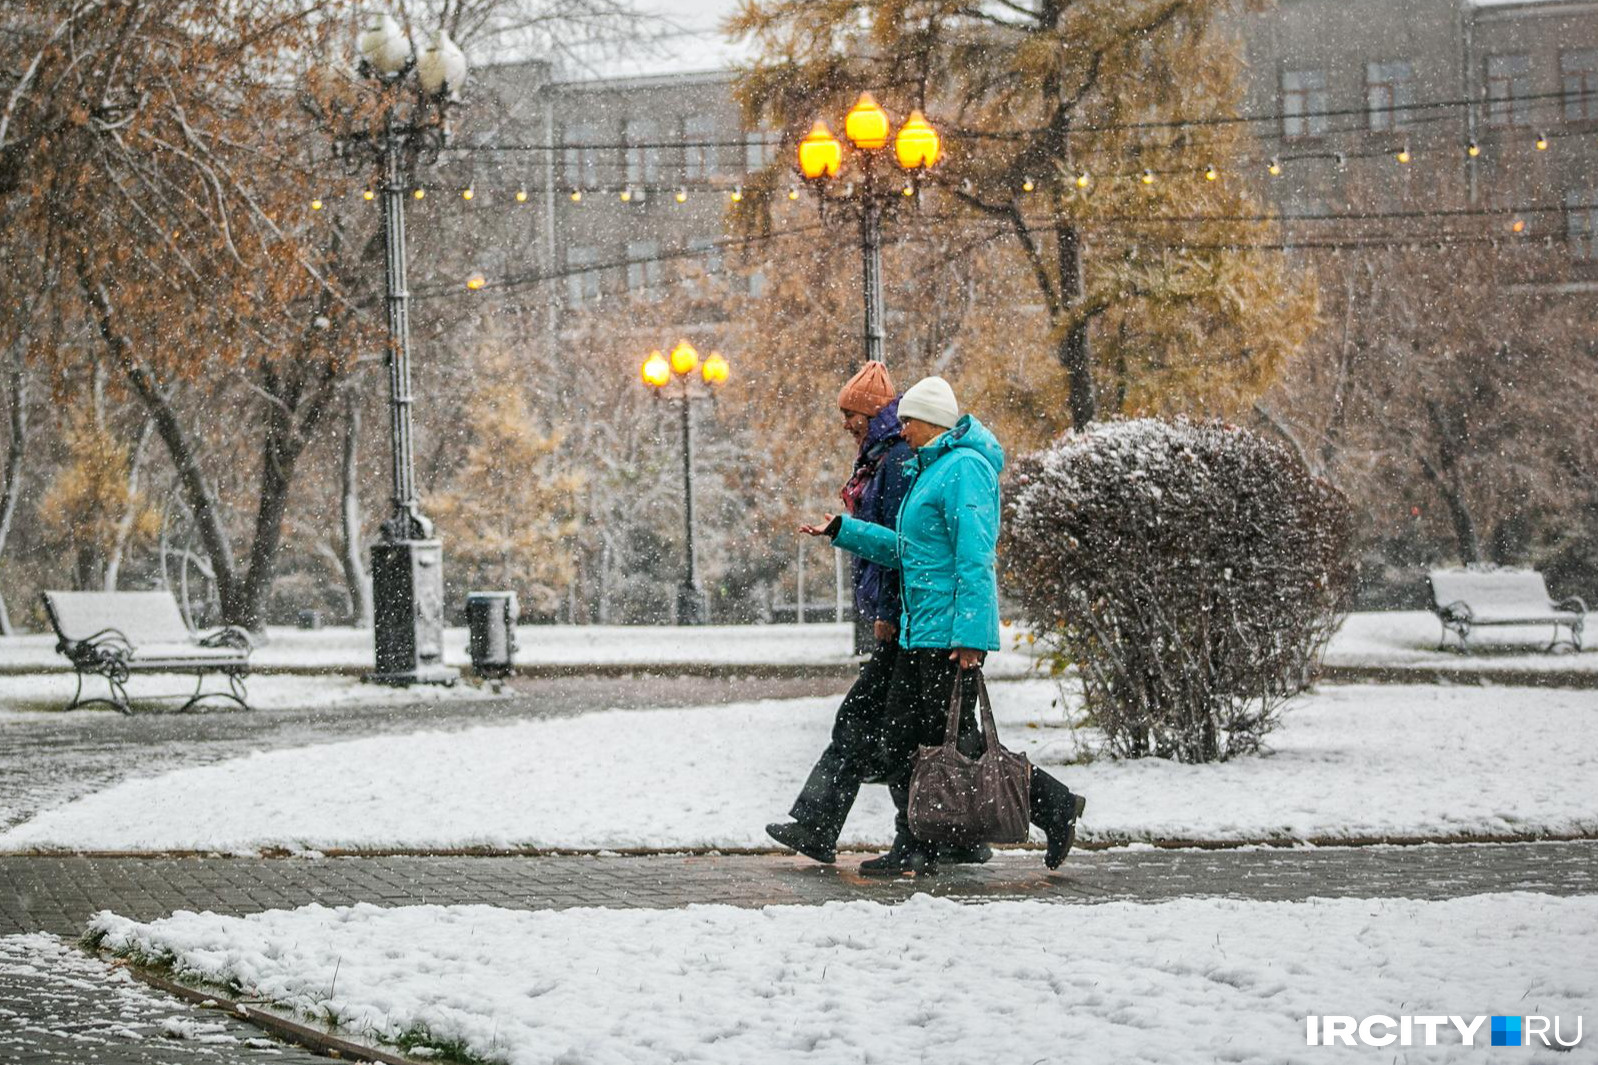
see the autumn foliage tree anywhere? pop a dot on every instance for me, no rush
(1150, 297)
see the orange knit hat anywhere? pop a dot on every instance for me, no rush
(867, 391)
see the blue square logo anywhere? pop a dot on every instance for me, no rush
(1506, 1032)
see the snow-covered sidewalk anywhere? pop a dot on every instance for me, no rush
(929, 980)
(1395, 640)
(1355, 762)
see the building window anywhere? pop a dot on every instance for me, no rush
(707, 252)
(757, 150)
(1389, 94)
(1578, 71)
(1303, 103)
(643, 265)
(757, 284)
(582, 286)
(699, 151)
(1581, 224)
(1508, 85)
(643, 153)
(582, 159)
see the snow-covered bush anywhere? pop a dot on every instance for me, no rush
(1191, 572)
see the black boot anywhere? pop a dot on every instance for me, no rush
(907, 855)
(795, 835)
(1055, 810)
(955, 854)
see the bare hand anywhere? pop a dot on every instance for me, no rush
(885, 631)
(968, 657)
(817, 530)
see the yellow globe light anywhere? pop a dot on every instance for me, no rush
(521, 195)
(684, 359)
(476, 281)
(368, 194)
(715, 369)
(866, 124)
(917, 145)
(419, 193)
(820, 154)
(316, 205)
(656, 371)
(466, 193)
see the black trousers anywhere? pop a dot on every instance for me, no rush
(869, 741)
(917, 715)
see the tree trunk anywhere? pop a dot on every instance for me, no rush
(360, 590)
(11, 491)
(1075, 352)
(1449, 478)
(124, 530)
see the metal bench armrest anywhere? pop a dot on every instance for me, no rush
(96, 646)
(229, 636)
(1575, 603)
(1458, 610)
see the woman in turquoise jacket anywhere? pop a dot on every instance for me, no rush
(944, 545)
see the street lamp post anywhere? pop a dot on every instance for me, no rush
(658, 372)
(408, 560)
(821, 160)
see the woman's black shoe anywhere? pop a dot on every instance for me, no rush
(905, 856)
(795, 836)
(1062, 835)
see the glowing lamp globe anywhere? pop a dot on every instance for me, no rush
(715, 369)
(820, 154)
(684, 359)
(917, 145)
(656, 371)
(866, 124)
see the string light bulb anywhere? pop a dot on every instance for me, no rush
(1403, 155)
(368, 194)
(577, 195)
(626, 194)
(1027, 185)
(467, 193)
(908, 190)
(1274, 167)
(737, 194)
(476, 281)
(1542, 142)
(1518, 226)
(1473, 149)
(316, 205)
(1210, 173)
(682, 195)
(419, 193)
(1147, 177)
(521, 195)
(793, 193)
(1082, 180)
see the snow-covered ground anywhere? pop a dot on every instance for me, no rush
(23, 694)
(928, 980)
(1355, 761)
(1400, 638)
(1411, 637)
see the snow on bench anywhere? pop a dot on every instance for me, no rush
(1467, 599)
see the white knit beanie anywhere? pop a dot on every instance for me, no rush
(930, 400)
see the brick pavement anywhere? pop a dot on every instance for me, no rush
(58, 894)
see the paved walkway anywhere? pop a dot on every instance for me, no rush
(58, 894)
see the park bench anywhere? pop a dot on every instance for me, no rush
(1469, 599)
(115, 634)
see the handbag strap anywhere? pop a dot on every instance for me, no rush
(990, 731)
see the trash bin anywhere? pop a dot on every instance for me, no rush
(491, 627)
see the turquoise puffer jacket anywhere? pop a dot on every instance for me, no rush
(945, 540)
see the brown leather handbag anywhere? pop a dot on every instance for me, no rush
(965, 801)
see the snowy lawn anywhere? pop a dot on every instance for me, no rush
(1357, 761)
(929, 980)
(24, 694)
